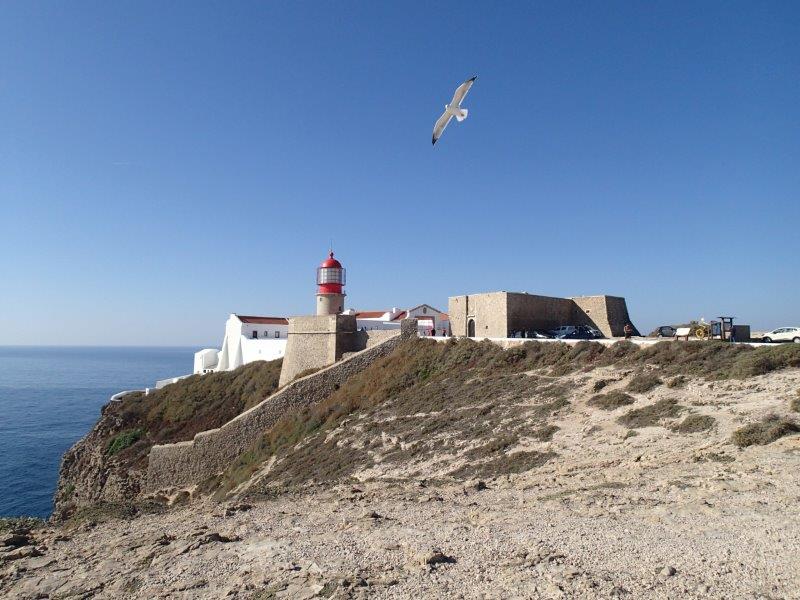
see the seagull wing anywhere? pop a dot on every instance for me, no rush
(462, 90)
(441, 123)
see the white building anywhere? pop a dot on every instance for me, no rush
(428, 318)
(247, 339)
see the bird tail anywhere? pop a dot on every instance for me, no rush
(462, 116)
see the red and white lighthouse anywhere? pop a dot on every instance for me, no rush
(330, 286)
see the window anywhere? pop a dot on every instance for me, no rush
(255, 335)
(277, 334)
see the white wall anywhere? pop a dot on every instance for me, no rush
(239, 347)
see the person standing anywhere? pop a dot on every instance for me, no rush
(628, 329)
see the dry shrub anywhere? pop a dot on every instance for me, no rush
(544, 434)
(764, 432)
(438, 399)
(695, 424)
(518, 462)
(643, 382)
(794, 404)
(432, 397)
(611, 400)
(180, 410)
(677, 381)
(652, 415)
(715, 360)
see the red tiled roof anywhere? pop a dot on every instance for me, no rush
(370, 314)
(263, 320)
(402, 315)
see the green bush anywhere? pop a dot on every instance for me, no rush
(123, 440)
(764, 432)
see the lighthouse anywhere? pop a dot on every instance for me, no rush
(330, 286)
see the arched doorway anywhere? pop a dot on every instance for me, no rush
(471, 328)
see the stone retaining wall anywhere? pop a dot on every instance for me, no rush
(210, 452)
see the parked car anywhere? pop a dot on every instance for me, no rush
(580, 332)
(596, 333)
(560, 332)
(530, 334)
(542, 335)
(666, 331)
(782, 334)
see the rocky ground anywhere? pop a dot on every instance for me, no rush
(619, 512)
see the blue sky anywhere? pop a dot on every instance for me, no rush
(165, 164)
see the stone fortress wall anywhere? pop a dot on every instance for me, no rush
(210, 452)
(497, 314)
(317, 341)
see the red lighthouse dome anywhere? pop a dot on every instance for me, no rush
(330, 276)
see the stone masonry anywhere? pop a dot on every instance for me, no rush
(318, 341)
(210, 452)
(497, 314)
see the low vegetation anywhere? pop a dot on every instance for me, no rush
(432, 403)
(643, 382)
(677, 382)
(794, 404)
(425, 401)
(714, 360)
(610, 401)
(695, 424)
(124, 440)
(764, 432)
(651, 415)
(180, 410)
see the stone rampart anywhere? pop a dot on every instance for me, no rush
(210, 452)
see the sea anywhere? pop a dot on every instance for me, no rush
(50, 397)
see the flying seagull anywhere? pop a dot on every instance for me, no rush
(453, 109)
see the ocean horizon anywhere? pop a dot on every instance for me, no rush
(51, 396)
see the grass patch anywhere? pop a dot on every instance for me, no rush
(764, 432)
(652, 415)
(124, 439)
(643, 382)
(611, 400)
(695, 424)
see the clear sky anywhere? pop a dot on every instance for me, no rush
(163, 164)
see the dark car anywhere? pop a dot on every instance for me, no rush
(666, 331)
(581, 332)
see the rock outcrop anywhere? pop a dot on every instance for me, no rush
(90, 476)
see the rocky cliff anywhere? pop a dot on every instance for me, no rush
(108, 466)
(462, 470)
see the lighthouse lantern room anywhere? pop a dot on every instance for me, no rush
(330, 286)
